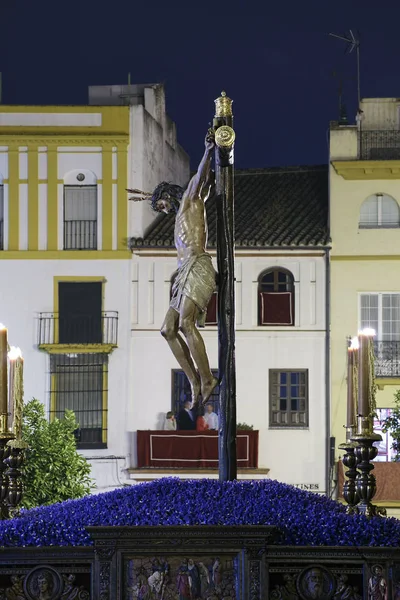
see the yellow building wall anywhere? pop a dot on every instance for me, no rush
(362, 260)
(349, 278)
(31, 162)
(346, 198)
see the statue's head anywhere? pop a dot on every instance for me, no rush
(166, 197)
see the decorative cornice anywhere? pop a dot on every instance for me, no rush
(367, 169)
(65, 255)
(90, 139)
(78, 348)
(382, 381)
(363, 257)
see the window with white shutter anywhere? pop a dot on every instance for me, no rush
(80, 217)
(379, 211)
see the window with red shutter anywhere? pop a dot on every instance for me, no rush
(276, 298)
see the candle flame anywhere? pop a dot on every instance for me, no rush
(368, 331)
(14, 353)
(2, 326)
(354, 344)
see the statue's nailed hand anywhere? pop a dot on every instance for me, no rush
(210, 139)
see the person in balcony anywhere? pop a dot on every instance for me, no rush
(186, 420)
(201, 424)
(210, 417)
(169, 421)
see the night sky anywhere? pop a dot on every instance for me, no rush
(275, 60)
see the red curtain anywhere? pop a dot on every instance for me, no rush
(276, 308)
(186, 449)
(211, 317)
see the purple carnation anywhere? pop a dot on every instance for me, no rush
(303, 518)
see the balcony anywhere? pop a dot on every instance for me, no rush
(387, 359)
(80, 235)
(366, 154)
(379, 145)
(88, 331)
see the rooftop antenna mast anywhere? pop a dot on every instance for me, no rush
(352, 43)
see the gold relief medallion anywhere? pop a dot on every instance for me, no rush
(224, 136)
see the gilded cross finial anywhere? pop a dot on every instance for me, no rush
(223, 106)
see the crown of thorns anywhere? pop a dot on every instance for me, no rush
(139, 195)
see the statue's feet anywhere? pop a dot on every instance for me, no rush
(208, 388)
(195, 387)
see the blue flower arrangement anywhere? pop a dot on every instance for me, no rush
(303, 518)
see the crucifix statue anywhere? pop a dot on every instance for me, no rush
(195, 281)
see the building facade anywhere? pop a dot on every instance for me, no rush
(282, 341)
(365, 266)
(65, 221)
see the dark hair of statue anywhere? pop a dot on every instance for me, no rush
(175, 193)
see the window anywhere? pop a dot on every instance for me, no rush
(79, 312)
(276, 297)
(80, 217)
(79, 383)
(385, 450)
(288, 398)
(379, 210)
(212, 308)
(181, 391)
(1, 215)
(381, 312)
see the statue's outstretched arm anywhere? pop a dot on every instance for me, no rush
(203, 175)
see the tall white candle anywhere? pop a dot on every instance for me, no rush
(3, 376)
(17, 389)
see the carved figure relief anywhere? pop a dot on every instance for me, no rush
(396, 581)
(344, 591)
(315, 582)
(180, 578)
(377, 586)
(44, 583)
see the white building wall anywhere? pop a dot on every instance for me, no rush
(293, 456)
(380, 113)
(154, 273)
(75, 159)
(153, 155)
(29, 291)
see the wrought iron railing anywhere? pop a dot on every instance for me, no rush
(379, 144)
(387, 359)
(78, 329)
(80, 235)
(1, 234)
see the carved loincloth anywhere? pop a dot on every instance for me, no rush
(196, 279)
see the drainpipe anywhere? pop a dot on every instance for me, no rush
(327, 372)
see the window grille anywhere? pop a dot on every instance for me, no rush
(79, 383)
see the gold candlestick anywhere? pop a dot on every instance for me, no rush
(364, 373)
(352, 368)
(3, 379)
(16, 389)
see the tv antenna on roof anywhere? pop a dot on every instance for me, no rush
(352, 42)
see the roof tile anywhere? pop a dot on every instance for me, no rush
(283, 206)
